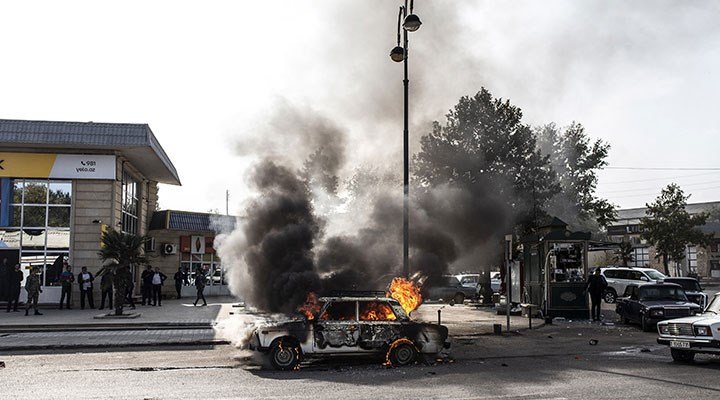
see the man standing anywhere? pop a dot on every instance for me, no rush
(106, 289)
(200, 287)
(85, 280)
(596, 285)
(66, 280)
(14, 279)
(157, 281)
(146, 285)
(32, 286)
(180, 280)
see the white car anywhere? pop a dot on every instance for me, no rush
(618, 278)
(691, 335)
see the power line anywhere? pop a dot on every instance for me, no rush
(658, 179)
(665, 168)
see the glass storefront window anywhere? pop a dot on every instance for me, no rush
(38, 224)
(208, 263)
(130, 197)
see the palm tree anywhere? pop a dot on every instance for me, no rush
(625, 253)
(118, 252)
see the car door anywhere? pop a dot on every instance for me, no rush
(337, 329)
(379, 325)
(634, 304)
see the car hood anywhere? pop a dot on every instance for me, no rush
(290, 325)
(695, 319)
(668, 303)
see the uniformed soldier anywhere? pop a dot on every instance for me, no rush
(32, 285)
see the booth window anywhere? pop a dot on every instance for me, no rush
(129, 204)
(208, 263)
(35, 220)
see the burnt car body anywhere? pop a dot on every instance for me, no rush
(650, 303)
(692, 288)
(350, 326)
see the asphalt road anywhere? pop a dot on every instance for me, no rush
(552, 362)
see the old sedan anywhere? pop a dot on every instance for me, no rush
(350, 326)
(691, 335)
(648, 304)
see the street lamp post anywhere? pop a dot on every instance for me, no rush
(410, 23)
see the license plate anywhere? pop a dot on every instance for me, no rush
(679, 344)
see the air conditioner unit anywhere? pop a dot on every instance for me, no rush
(169, 248)
(150, 245)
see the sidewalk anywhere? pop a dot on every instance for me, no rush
(171, 313)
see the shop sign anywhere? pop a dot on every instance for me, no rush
(57, 166)
(197, 244)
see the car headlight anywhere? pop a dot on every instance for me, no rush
(703, 331)
(663, 329)
(657, 313)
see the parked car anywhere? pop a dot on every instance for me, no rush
(692, 288)
(691, 335)
(495, 281)
(449, 289)
(350, 326)
(472, 281)
(650, 303)
(619, 277)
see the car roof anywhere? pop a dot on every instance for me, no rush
(356, 298)
(679, 278)
(628, 268)
(657, 285)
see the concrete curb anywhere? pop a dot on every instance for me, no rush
(24, 328)
(76, 346)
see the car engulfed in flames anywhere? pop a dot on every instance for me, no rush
(350, 325)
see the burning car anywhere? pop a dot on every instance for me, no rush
(349, 325)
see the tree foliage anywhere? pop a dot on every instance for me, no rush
(119, 251)
(535, 172)
(670, 228)
(575, 158)
(624, 254)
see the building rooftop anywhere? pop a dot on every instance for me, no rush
(191, 221)
(632, 216)
(136, 142)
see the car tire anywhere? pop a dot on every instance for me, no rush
(403, 354)
(644, 324)
(610, 296)
(285, 356)
(459, 298)
(682, 356)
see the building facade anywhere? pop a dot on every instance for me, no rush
(702, 261)
(183, 241)
(63, 183)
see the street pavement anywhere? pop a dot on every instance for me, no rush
(550, 362)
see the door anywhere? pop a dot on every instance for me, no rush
(337, 329)
(379, 326)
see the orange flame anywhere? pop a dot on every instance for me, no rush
(377, 312)
(406, 292)
(311, 306)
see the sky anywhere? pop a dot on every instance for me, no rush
(212, 79)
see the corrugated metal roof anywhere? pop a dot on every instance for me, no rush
(191, 221)
(135, 141)
(637, 213)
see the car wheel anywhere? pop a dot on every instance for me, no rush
(610, 296)
(285, 356)
(682, 356)
(645, 324)
(402, 353)
(459, 298)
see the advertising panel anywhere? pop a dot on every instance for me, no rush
(57, 166)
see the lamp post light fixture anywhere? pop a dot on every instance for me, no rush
(410, 23)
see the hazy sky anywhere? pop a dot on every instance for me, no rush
(206, 76)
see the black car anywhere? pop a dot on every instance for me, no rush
(648, 304)
(692, 288)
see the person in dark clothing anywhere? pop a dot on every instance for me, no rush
(181, 279)
(15, 278)
(158, 278)
(200, 286)
(146, 285)
(596, 285)
(106, 290)
(66, 280)
(85, 280)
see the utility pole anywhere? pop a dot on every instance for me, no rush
(227, 202)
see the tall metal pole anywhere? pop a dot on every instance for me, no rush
(406, 156)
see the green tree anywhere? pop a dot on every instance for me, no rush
(483, 142)
(670, 228)
(624, 254)
(575, 158)
(119, 251)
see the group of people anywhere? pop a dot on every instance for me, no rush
(152, 281)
